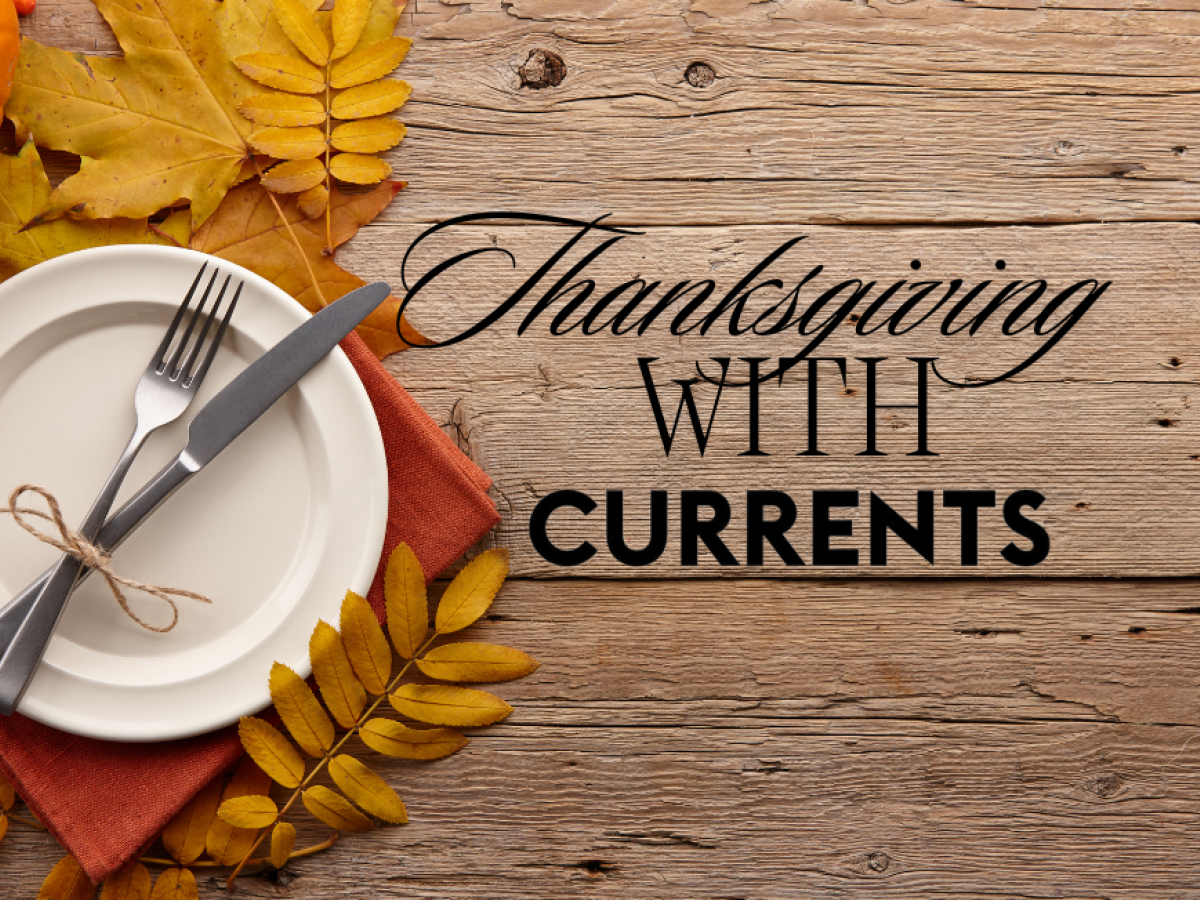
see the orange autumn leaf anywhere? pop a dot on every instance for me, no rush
(246, 229)
(131, 883)
(184, 837)
(67, 881)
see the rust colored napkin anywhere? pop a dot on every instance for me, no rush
(105, 801)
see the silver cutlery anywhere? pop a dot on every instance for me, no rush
(166, 388)
(221, 420)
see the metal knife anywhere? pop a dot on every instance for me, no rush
(26, 626)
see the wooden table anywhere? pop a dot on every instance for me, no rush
(698, 733)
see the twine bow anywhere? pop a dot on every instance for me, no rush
(74, 544)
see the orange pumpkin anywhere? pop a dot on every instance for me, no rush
(10, 44)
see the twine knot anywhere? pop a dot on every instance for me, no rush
(74, 544)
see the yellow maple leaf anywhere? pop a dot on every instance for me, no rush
(247, 230)
(26, 190)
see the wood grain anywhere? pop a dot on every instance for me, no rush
(818, 737)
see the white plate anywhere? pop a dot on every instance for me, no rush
(274, 531)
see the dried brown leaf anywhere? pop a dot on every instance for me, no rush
(67, 881)
(226, 844)
(249, 812)
(394, 739)
(471, 661)
(372, 62)
(302, 29)
(247, 230)
(407, 601)
(367, 789)
(376, 99)
(176, 884)
(343, 692)
(440, 704)
(366, 647)
(335, 810)
(300, 710)
(283, 839)
(184, 836)
(131, 883)
(472, 591)
(272, 751)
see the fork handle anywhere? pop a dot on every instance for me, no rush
(29, 620)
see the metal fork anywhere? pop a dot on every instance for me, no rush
(165, 390)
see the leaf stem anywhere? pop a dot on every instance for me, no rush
(295, 240)
(328, 174)
(212, 864)
(24, 821)
(329, 754)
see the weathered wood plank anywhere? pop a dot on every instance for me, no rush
(819, 112)
(1107, 410)
(781, 739)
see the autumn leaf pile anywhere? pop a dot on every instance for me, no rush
(174, 135)
(357, 666)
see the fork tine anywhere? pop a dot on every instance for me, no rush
(173, 368)
(198, 376)
(161, 353)
(186, 367)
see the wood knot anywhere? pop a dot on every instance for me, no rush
(543, 69)
(878, 862)
(1104, 786)
(700, 75)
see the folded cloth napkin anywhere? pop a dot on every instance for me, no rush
(106, 801)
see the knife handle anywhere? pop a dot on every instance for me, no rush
(119, 526)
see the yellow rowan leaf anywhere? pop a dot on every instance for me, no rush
(314, 201)
(471, 661)
(176, 884)
(300, 710)
(184, 835)
(26, 190)
(372, 62)
(226, 844)
(131, 883)
(440, 704)
(301, 27)
(381, 21)
(348, 21)
(8, 794)
(367, 789)
(294, 176)
(67, 881)
(283, 839)
(272, 751)
(282, 110)
(154, 125)
(249, 812)
(365, 644)
(407, 604)
(334, 810)
(343, 692)
(394, 739)
(367, 135)
(356, 168)
(472, 591)
(285, 73)
(289, 143)
(3, 824)
(376, 99)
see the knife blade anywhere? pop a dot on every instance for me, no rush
(26, 626)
